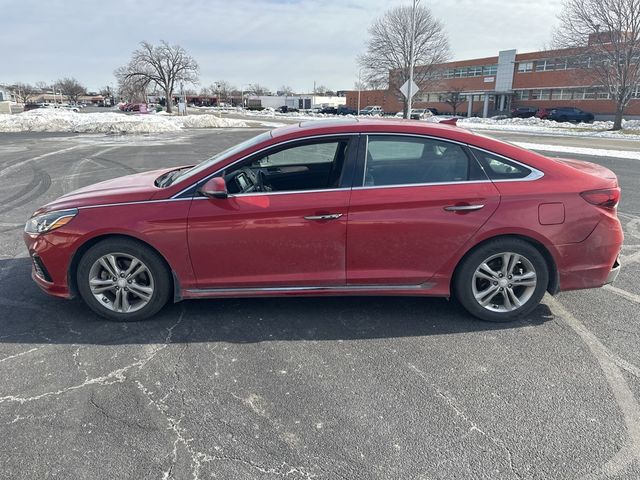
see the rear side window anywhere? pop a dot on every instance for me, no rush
(400, 160)
(499, 168)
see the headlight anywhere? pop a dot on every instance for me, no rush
(49, 221)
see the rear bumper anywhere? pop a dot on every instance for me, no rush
(593, 262)
(615, 271)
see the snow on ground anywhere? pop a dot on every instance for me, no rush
(43, 120)
(596, 152)
(537, 125)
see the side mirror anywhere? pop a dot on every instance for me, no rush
(215, 187)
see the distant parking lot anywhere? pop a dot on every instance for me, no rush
(330, 388)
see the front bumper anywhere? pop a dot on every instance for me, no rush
(50, 259)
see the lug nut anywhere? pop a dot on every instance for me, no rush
(122, 274)
(495, 283)
(129, 281)
(501, 289)
(509, 285)
(509, 277)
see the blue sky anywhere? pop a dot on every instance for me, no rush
(272, 42)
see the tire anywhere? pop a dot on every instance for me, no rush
(490, 293)
(123, 280)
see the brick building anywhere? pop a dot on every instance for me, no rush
(494, 85)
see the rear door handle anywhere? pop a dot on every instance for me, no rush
(329, 216)
(462, 208)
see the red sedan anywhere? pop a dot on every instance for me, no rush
(355, 207)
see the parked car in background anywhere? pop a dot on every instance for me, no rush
(432, 210)
(344, 110)
(329, 110)
(433, 110)
(565, 114)
(420, 113)
(33, 106)
(523, 112)
(286, 109)
(371, 110)
(570, 114)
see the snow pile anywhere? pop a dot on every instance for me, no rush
(107, 122)
(534, 124)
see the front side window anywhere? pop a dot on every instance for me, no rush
(311, 165)
(400, 160)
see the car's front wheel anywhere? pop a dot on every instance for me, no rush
(501, 280)
(123, 280)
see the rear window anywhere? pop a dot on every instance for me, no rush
(500, 168)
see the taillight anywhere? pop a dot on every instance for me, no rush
(605, 198)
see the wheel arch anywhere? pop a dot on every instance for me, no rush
(72, 281)
(553, 285)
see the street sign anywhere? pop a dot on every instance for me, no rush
(404, 89)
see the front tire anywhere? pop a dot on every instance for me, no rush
(501, 280)
(123, 280)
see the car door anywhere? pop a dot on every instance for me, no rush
(292, 235)
(419, 200)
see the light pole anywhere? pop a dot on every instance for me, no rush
(359, 88)
(411, 56)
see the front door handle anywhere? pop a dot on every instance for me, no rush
(329, 216)
(463, 208)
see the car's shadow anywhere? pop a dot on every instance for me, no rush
(29, 316)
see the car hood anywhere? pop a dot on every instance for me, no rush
(131, 188)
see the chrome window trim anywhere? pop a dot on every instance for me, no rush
(534, 175)
(204, 179)
(288, 192)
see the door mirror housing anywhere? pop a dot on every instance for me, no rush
(215, 187)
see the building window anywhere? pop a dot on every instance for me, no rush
(603, 95)
(540, 94)
(525, 67)
(448, 73)
(474, 72)
(522, 94)
(561, 94)
(490, 70)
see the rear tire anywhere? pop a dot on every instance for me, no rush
(123, 280)
(501, 280)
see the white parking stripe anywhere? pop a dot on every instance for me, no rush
(623, 293)
(625, 399)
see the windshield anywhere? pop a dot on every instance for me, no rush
(219, 157)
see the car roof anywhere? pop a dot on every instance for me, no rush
(369, 125)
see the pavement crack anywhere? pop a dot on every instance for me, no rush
(19, 354)
(116, 376)
(473, 427)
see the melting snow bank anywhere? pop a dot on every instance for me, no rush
(537, 125)
(595, 152)
(108, 122)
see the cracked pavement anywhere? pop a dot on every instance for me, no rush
(326, 388)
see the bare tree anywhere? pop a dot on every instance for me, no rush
(286, 90)
(164, 66)
(257, 89)
(71, 88)
(133, 89)
(321, 90)
(453, 98)
(606, 37)
(23, 91)
(388, 57)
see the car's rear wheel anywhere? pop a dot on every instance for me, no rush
(123, 280)
(501, 280)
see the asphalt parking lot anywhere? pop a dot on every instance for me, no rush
(328, 388)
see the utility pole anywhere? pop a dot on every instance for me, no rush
(411, 56)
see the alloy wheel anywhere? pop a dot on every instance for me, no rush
(121, 282)
(504, 282)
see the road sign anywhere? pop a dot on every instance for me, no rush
(404, 89)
